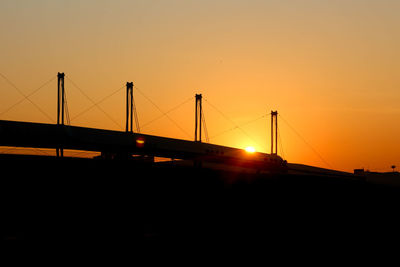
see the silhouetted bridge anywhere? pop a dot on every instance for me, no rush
(125, 144)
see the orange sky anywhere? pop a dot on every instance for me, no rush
(330, 68)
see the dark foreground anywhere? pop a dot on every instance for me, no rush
(74, 201)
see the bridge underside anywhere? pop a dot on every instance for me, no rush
(50, 136)
(40, 135)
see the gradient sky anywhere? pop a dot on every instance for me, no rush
(330, 68)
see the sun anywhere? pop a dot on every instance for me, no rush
(250, 149)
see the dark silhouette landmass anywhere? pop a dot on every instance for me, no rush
(66, 200)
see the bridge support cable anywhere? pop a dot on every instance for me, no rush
(167, 112)
(281, 145)
(67, 117)
(27, 97)
(94, 103)
(135, 114)
(97, 103)
(305, 142)
(205, 126)
(239, 126)
(236, 126)
(162, 112)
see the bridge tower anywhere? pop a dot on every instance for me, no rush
(60, 106)
(274, 132)
(198, 118)
(131, 109)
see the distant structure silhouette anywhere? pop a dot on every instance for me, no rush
(198, 118)
(274, 132)
(130, 143)
(60, 106)
(131, 109)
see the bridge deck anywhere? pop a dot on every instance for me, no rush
(40, 135)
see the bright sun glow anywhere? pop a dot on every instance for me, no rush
(250, 149)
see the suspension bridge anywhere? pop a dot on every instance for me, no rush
(131, 143)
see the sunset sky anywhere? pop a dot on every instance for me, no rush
(331, 69)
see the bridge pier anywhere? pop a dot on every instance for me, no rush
(274, 132)
(198, 118)
(131, 109)
(60, 107)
